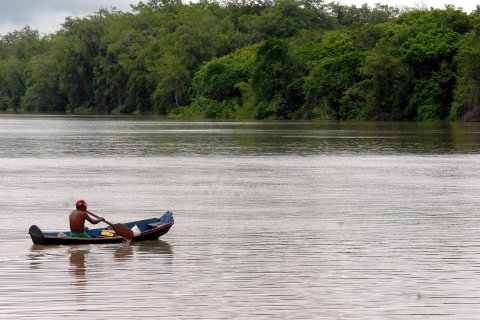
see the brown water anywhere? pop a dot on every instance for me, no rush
(273, 220)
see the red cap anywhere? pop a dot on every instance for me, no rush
(80, 203)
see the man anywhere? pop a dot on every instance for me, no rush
(77, 220)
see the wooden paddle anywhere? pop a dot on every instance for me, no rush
(120, 229)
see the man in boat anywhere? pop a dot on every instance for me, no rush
(77, 220)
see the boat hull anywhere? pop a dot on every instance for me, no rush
(151, 229)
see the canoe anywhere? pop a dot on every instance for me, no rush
(150, 229)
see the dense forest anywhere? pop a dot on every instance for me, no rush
(246, 59)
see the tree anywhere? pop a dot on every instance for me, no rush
(171, 91)
(410, 71)
(13, 80)
(43, 90)
(387, 85)
(77, 48)
(216, 86)
(327, 83)
(285, 19)
(431, 98)
(272, 71)
(466, 103)
(333, 66)
(16, 48)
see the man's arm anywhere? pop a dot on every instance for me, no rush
(93, 221)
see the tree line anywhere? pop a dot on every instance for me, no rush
(247, 59)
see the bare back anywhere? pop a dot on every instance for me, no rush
(77, 220)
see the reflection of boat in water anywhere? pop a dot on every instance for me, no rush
(78, 253)
(84, 263)
(123, 252)
(150, 229)
(144, 248)
(36, 256)
(152, 247)
(77, 262)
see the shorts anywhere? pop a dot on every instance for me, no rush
(79, 235)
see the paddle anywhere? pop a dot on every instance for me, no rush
(120, 229)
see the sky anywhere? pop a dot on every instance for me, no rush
(47, 15)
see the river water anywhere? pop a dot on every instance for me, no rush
(272, 220)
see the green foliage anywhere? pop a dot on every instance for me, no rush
(349, 15)
(435, 44)
(331, 44)
(283, 59)
(431, 98)
(272, 72)
(171, 91)
(285, 18)
(13, 82)
(16, 48)
(215, 87)
(327, 83)
(409, 73)
(388, 85)
(467, 92)
(43, 90)
(76, 50)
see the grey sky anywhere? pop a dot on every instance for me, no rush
(47, 15)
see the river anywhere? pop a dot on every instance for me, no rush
(273, 220)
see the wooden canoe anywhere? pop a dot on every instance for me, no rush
(150, 229)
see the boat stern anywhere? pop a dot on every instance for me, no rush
(36, 234)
